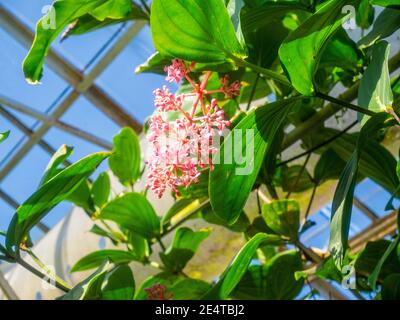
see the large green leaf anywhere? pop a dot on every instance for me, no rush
(58, 158)
(268, 13)
(118, 284)
(49, 195)
(386, 3)
(194, 30)
(125, 159)
(343, 198)
(49, 27)
(133, 212)
(90, 288)
(391, 249)
(283, 217)
(155, 64)
(329, 166)
(237, 268)
(233, 180)
(113, 9)
(273, 281)
(365, 14)
(96, 258)
(385, 25)
(182, 248)
(88, 22)
(301, 51)
(391, 287)
(375, 92)
(101, 189)
(368, 259)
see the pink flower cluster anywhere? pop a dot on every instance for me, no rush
(181, 149)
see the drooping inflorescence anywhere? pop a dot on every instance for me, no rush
(182, 148)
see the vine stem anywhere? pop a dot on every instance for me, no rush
(299, 175)
(310, 203)
(318, 146)
(344, 104)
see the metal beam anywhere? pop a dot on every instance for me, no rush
(365, 209)
(21, 32)
(386, 225)
(17, 106)
(38, 134)
(7, 289)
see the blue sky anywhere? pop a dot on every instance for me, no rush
(132, 92)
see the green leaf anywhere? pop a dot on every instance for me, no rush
(101, 189)
(113, 9)
(391, 287)
(90, 288)
(273, 281)
(87, 23)
(237, 268)
(375, 92)
(301, 51)
(119, 284)
(96, 258)
(182, 248)
(133, 212)
(292, 181)
(103, 233)
(268, 13)
(283, 217)
(124, 162)
(47, 30)
(372, 279)
(365, 14)
(4, 135)
(368, 259)
(194, 30)
(180, 208)
(189, 289)
(384, 26)
(49, 195)
(58, 158)
(155, 64)
(386, 3)
(343, 199)
(341, 52)
(257, 132)
(329, 166)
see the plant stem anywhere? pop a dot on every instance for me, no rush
(161, 244)
(344, 104)
(187, 217)
(318, 146)
(253, 91)
(46, 269)
(266, 72)
(310, 203)
(41, 275)
(299, 175)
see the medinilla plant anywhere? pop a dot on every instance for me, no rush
(254, 77)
